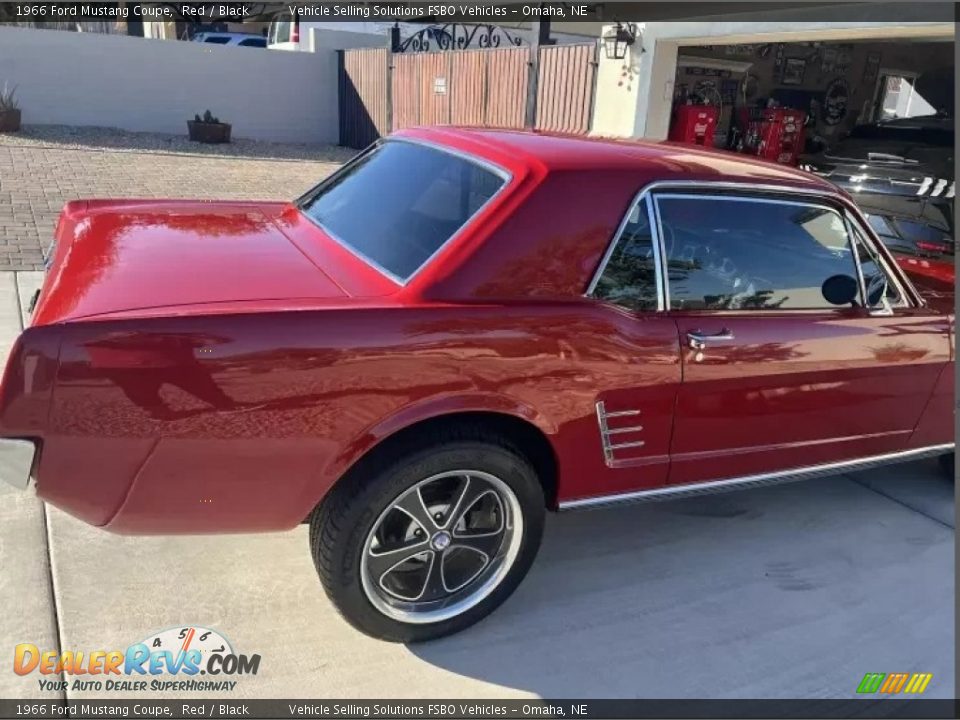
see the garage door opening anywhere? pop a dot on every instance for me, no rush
(826, 89)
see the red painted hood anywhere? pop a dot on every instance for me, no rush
(120, 255)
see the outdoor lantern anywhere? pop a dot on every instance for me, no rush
(617, 40)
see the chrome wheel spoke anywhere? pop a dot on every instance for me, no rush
(433, 588)
(486, 543)
(381, 562)
(470, 490)
(412, 504)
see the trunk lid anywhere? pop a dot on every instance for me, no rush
(114, 256)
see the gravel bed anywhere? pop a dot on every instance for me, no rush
(116, 140)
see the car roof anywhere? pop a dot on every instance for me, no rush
(667, 160)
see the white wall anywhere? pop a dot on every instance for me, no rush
(617, 94)
(321, 39)
(152, 85)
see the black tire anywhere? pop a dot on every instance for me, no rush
(342, 523)
(948, 464)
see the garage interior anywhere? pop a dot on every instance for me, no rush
(782, 100)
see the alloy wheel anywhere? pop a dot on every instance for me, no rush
(441, 546)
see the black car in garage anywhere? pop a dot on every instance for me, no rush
(901, 174)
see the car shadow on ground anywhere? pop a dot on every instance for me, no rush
(777, 592)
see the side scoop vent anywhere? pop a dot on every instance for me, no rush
(615, 433)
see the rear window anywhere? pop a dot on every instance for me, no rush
(400, 202)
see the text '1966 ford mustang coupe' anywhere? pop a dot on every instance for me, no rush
(459, 330)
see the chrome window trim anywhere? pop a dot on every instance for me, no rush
(827, 200)
(663, 262)
(505, 175)
(911, 299)
(764, 201)
(656, 243)
(645, 193)
(707, 487)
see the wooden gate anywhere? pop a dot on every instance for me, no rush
(566, 87)
(486, 87)
(364, 96)
(467, 87)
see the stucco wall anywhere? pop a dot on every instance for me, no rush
(142, 84)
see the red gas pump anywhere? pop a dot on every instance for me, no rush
(774, 134)
(694, 124)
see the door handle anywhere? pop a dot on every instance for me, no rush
(698, 339)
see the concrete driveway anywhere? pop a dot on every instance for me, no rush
(786, 592)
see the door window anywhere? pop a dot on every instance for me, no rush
(739, 253)
(629, 278)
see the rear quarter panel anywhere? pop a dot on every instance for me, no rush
(244, 422)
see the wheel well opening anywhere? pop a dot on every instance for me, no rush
(525, 437)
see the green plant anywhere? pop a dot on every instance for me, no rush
(8, 100)
(208, 117)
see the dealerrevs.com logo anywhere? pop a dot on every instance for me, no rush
(172, 660)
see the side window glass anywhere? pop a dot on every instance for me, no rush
(630, 277)
(736, 253)
(874, 275)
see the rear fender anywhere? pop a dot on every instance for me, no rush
(411, 415)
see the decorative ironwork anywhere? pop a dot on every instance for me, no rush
(455, 36)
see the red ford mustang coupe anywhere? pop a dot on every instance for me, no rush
(457, 331)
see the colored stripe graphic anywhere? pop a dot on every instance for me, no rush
(893, 683)
(918, 683)
(871, 682)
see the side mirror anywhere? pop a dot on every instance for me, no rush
(840, 290)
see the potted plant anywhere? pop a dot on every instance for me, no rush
(9, 110)
(208, 129)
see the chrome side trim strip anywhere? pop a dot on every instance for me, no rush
(617, 446)
(620, 431)
(774, 478)
(622, 413)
